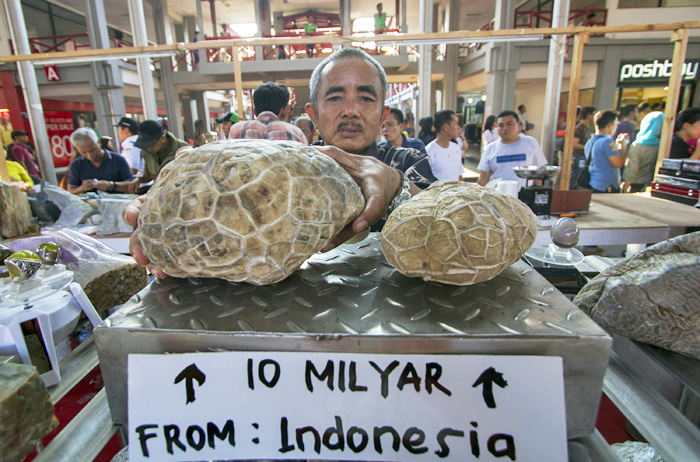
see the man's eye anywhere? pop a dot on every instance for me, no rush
(333, 98)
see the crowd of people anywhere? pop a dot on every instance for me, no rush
(621, 154)
(344, 118)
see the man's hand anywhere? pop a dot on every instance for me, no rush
(379, 184)
(131, 217)
(103, 185)
(131, 188)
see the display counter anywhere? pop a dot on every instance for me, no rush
(622, 219)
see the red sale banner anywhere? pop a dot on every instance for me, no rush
(59, 126)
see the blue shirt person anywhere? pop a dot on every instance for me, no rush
(392, 129)
(96, 168)
(608, 155)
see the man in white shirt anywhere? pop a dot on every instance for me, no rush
(513, 149)
(446, 156)
(127, 129)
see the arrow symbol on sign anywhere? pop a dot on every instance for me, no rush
(189, 375)
(488, 378)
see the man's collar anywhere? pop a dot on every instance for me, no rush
(268, 115)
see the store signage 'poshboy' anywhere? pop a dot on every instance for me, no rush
(657, 69)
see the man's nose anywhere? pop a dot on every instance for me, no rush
(351, 108)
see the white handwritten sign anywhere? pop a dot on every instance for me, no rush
(296, 405)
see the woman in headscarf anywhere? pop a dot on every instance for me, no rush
(639, 171)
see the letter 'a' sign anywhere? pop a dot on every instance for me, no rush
(341, 406)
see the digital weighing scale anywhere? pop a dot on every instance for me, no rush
(538, 198)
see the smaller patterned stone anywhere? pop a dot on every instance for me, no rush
(457, 233)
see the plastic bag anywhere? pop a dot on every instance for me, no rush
(634, 451)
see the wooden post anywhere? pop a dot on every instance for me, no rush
(574, 83)
(680, 37)
(238, 82)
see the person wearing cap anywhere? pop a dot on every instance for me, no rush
(96, 167)
(19, 152)
(227, 121)
(158, 147)
(270, 100)
(127, 129)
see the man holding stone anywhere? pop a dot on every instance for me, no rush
(348, 90)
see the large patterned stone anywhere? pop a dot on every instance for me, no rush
(15, 213)
(652, 297)
(245, 210)
(457, 233)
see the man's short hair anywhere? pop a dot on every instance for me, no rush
(627, 110)
(270, 96)
(441, 118)
(587, 111)
(17, 133)
(315, 82)
(604, 118)
(398, 114)
(643, 105)
(686, 116)
(521, 107)
(507, 113)
(82, 135)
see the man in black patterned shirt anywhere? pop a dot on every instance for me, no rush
(348, 90)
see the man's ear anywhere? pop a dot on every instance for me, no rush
(312, 113)
(385, 113)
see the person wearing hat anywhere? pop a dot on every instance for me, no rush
(20, 153)
(226, 122)
(127, 129)
(158, 147)
(96, 167)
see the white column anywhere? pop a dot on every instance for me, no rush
(425, 62)
(138, 30)
(345, 20)
(30, 88)
(557, 47)
(500, 67)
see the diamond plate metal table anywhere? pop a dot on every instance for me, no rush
(352, 300)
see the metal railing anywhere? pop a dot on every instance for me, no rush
(72, 42)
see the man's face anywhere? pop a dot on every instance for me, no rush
(693, 129)
(123, 133)
(391, 129)
(160, 144)
(508, 128)
(305, 127)
(350, 106)
(226, 127)
(453, 127)
(90, 150)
